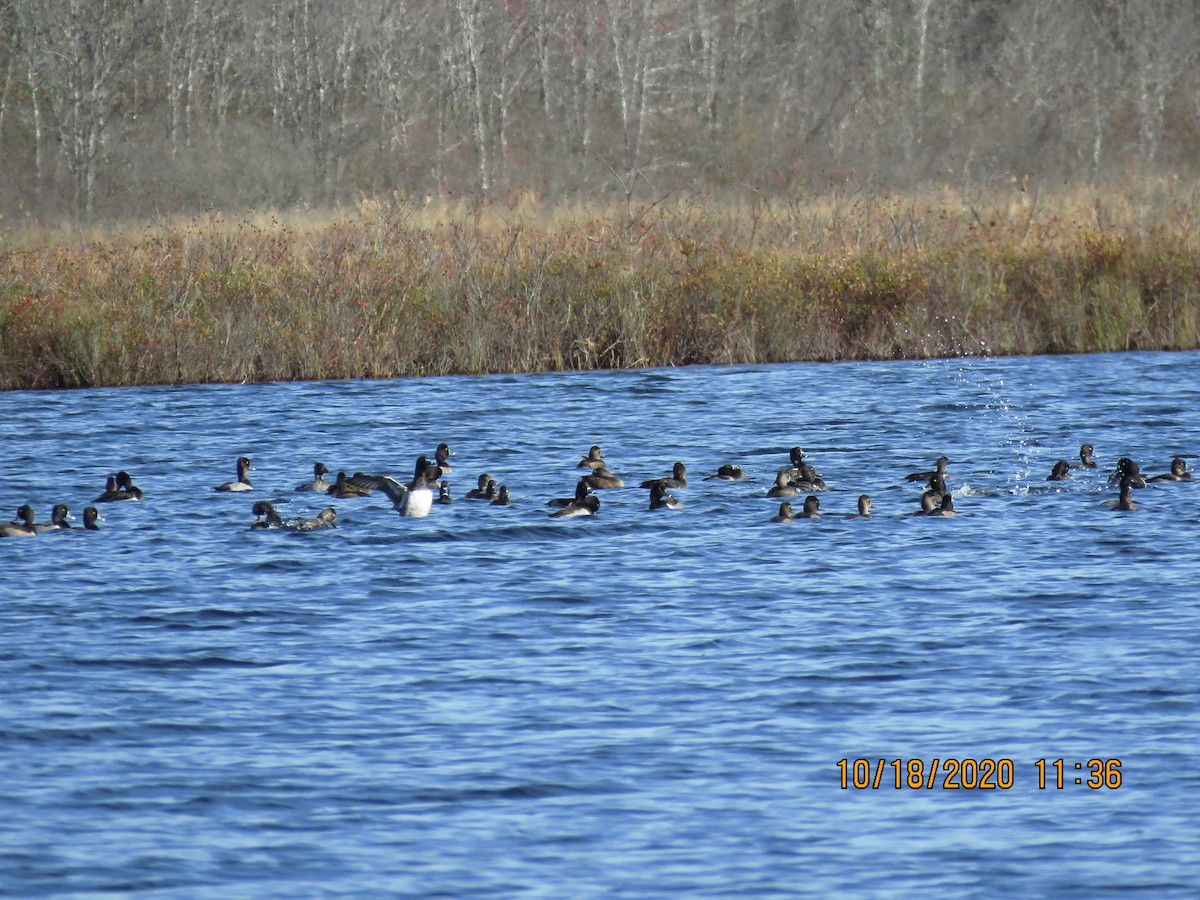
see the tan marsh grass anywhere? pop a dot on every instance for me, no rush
(398, 289)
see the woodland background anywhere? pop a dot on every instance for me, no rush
(136, 108)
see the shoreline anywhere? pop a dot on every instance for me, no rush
(400, 292)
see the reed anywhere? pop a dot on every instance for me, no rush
(397, 289)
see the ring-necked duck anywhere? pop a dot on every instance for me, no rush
(344, 488)
(864, 508)
(728, 473)
(783, 486)
(784, 514)
(945, 509)
(114, 492)
(582, 489)
(480, 492)
(372, 483)
(808, 480)
(678, 478)
(588, 506)
(936, 489)
(318, 484)
(110, 490)
(1061, 472)
(601, 479)
(928, 505)
(812, 507)
(326, 518)
(593, 460)
(1179, 471)
(415, 499)
(796, 459)
(243, 480)
(660, 499)
(941, 463)
(443, 496)
(1124, 502)
(487, 492)
(59, 517)
(268, 517)
(1127, 469)
(502, 498)
(441, 457)
(24, 527)
(90, 515)
(125, 483)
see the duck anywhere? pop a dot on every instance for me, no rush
(593, 460)
(344, 488)
(864, 507)
(1179, 472)
(1124, 501)
(582, 489)
(441, 457)
(243, 480)
(318, 484)
(1136, 479)
(728, 472)
(783, 486)
(443, 496)
(114, 492)
(940, 469)
(660, 499)
(59, 517)
(125, 483)
(1061, 472)
(110, 491)
(24, 527)
(928, 505)
(372, 483)
(90, 515)
(326, 518)
(1085, 457)
(796, 456)
(1127, 469)
(480, 492)
(588, 506)
(415, 499)
(784, 514)
(812, 507)
(487, 492)
(946, 508)
(267, 516)
(601, 479)
(678, 478)
(808, 480)
(503, 498)
(936, 489)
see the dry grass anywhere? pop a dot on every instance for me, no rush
(400, 288)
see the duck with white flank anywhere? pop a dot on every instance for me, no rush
(243, 479)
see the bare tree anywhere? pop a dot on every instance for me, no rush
(78, 53)
(311, 102)
(1161, 36)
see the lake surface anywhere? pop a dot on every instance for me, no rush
(489, 702)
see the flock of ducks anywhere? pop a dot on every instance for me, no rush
(417, 496)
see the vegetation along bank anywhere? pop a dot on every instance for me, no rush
(397, 289)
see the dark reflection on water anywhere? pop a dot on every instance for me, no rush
(488, 701)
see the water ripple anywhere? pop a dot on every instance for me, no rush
(492, 702)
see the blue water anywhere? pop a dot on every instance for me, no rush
(488, 702)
